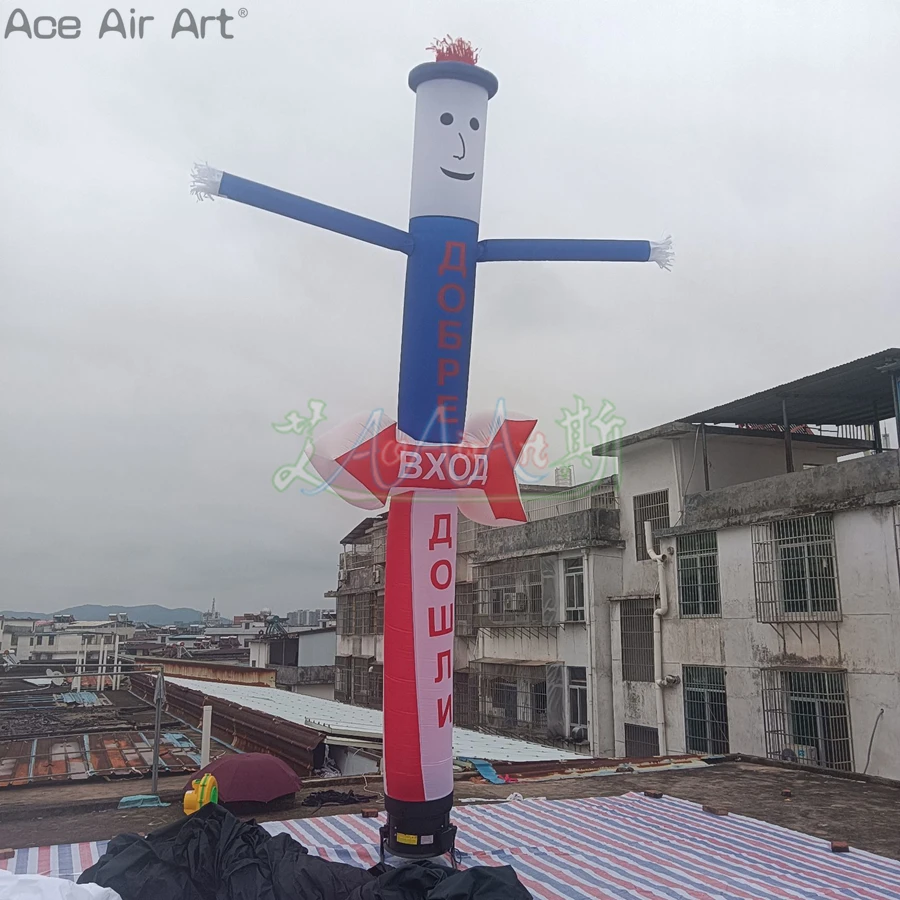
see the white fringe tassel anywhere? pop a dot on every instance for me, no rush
(661, 253)
(206, 182)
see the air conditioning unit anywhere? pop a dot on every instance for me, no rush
(516, 602)
(806, 754)
(376, 574)
(578, 733)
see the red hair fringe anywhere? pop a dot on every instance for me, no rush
(449, 50)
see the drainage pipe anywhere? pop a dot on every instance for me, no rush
(659, 681)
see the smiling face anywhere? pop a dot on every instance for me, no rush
(448, 149)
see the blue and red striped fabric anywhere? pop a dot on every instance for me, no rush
(613, 848)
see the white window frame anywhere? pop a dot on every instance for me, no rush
(581, 689)
(577, 611)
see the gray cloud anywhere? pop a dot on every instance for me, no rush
(147, 343)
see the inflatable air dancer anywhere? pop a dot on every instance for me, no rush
(433, 461)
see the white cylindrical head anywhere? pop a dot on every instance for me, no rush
(448, 144)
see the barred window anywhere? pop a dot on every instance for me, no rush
(807, 717)
(705, 710)
(574, 578)
(344, 611)
(504, 699)
(510, 593)
(795, 570)
(698, 575)
(342, 678)
(636, 621)
(376, 686)
(578, 702)
(364, 614)
(652, 508)
(641, 741)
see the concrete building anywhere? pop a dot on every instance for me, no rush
(241, 633)
(303, 659)
(64, 640)
(532, 635)
(780, 572)
(763, 618)
(310, 618)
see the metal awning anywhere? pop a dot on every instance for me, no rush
(855, 393)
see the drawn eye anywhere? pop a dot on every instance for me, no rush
(446, 119)
(473, 124)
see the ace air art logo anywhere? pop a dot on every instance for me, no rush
(127, 24)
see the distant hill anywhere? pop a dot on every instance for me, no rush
(92, 612)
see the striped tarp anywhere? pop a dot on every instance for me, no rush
(618, 848)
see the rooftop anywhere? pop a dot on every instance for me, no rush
(667, 847)
(854, 393)
(678, 429)
(341, 719)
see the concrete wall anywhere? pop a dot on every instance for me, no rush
(323, 691)
(201, 671)
(571, 531)
(353, 761)
(367, 645)
(317, 648)
(605, 577)
(867, 481)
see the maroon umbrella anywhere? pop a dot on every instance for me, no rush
(246, 777)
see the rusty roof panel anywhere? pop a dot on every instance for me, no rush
(250, 730)
(77, 757)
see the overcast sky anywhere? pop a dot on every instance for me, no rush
(148, 342)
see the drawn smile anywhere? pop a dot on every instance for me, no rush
(460, 176)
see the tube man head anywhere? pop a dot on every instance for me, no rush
(451, 117)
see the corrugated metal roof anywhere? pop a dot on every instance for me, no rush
(341, 718)
(80, 756)
(855, 393)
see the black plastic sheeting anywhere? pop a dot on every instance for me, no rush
(212, 855)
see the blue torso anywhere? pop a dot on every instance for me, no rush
(436, 343)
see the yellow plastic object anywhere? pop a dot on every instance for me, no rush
(205, 790)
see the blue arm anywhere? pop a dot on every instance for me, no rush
(537, 249)
(210, 182)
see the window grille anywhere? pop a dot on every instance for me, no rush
(467, 533)
(361, 680)
(807, 718)
(376, 686)
(503, 699)
(465, 699)
(636, 622)
(578, 703)
(344, 614)
(705, 710)
(284, 652)
(652, 508)
(465, 608)
(641, 741)
(342, 678)
(795, 570)
(698, 575)
(364, 614)
(510, 593)
(573, 570)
